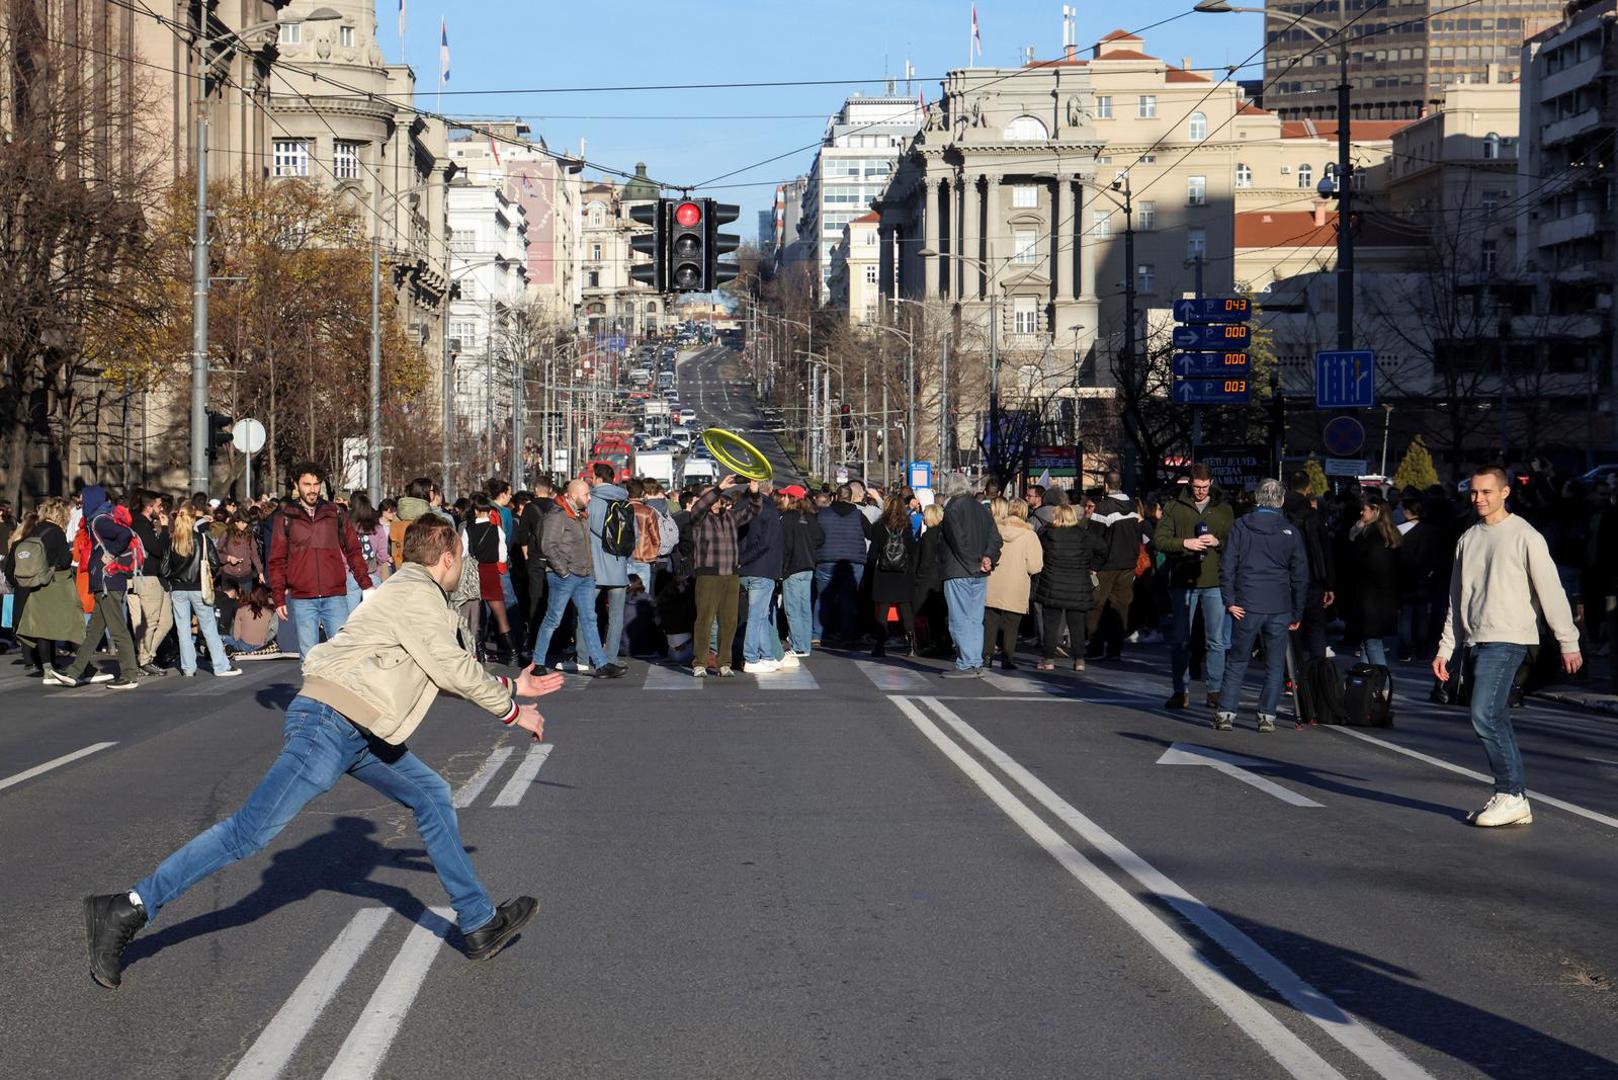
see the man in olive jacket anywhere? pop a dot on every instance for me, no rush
(1193, 526)
(364, 692)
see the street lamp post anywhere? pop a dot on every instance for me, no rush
(1323, 32)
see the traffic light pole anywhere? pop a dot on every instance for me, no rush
(199, 319)
(1345, 196)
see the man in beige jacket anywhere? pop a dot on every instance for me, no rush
(364, 693)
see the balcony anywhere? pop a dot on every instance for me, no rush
(1571, 78)
(1570, 127)
(1562, 230)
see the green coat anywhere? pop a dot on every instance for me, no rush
(52, 613)
(1189, 569)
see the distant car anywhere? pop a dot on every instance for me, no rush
(687, 415)
(701, 452)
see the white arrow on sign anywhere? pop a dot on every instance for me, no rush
(1231, 765)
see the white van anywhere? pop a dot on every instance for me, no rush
(699, 470)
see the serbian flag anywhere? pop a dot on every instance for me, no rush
(977, 38)
(493, 149)
(443, 51)
(401, 20)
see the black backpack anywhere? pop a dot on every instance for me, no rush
(1325, 689)
(618, 529)
(1368, 693)
(893, 557)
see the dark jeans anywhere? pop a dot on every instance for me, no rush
(1244, 632)
(1000, 627)
(110, 616)
(1076, 621)
(1109, 619)
(837, 587)
(1494, 665)
(907, 619)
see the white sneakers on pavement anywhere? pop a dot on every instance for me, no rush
(789, 662)
(763, 667)
(1504, 809)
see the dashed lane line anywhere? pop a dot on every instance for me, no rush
(527, 770)
(54, 763)
(480, 779)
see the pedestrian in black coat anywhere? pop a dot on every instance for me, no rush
(928, 595)
(1373, 582)
(891, 567)
(1064, 589)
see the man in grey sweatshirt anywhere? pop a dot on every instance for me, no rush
(1504, 579)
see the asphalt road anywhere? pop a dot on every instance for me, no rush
(711, 382)
(854, 870)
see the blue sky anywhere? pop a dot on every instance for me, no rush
(505, 47)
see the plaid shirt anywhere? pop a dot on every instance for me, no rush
(714, 549)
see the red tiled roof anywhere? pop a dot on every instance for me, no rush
(1247, 108)
(1297, 228)
(872, 216)
(1369, 130)
(1124, 54)
(1121, 34)
(1180, 75)
(1060, 61)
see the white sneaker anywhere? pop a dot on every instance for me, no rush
(1503, 809)
(789, 662)
(763, 667)
(1330, 652)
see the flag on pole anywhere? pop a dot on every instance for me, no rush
(495, 150)
(443, 51)
(401, 25)
(977, 38)
(1044, 480)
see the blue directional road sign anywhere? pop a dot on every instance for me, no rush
(1215, 338)
(1213, 309)
(1212, 391)
(1210, 365)
(1345, 380)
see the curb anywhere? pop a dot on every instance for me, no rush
(1588, 702)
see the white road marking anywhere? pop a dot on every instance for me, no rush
(276, 1044)
(1279, 1041)
(1018, 684)
(799, 678)
(527, 769)
(1232, 765)
(54, 763)
(659, 677)
(1561, 804)
(479, 780)
(367, 1044)
(889, 677)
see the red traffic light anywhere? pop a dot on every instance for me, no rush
(687, 215)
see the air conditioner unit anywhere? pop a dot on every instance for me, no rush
(1286, 169)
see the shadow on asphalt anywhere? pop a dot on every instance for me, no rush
(1392, 997)
(340, 860)
(276, 696)
(1320, 779)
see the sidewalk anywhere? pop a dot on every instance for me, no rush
(1581, 691)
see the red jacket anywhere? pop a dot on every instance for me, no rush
(308, 553)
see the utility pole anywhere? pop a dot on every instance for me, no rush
(994, 380)
(1345, 198)
(943, 405)
(517, 406)
(373, 462)
(199, 315)
(1129, 279)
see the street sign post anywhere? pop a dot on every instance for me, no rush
(1213, 309)
(1211, 365)
(1213, 391)
(1343, 436)
(1345, 380)
(1346, 466)
(1217, 337)
(247, 435)
(921, 474)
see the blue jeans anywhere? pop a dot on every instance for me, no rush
(966, 597)
(580, 591)
(643, 569)
(837, 591)
(796, 597)
(1494, 665)
(309, 615)
(1215, 634)
(318, 747)
(1375, 651)
(612, 640)
(1245, 632)
(760, 642)
(185, 603)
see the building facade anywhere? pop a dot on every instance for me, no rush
(1400, 59)
(856, 266)
(613, 303)
(489, 264)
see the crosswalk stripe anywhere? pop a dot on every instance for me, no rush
(659, 677)
(1020, 684)
(890, 678)
(800, 678)
(479, 780)
(367, 1044)
(39, 770)
(527, 770)
(276, 1044)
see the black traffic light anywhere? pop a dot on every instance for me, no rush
(717, 273)
(654, 243)
(219, 426)
(688, 245)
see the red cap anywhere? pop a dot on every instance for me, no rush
(795, 490)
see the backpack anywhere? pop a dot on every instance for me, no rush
(34, 569)
(1368, 693)
(618, 529)
(396, 533)
(1324, 688)
(893, 557)
(648, 535)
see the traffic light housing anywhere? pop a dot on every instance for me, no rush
(717, 273)
(688, 245)
(653, 243)
(219, 426)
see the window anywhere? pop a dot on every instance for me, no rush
(1102, 222)
(1104, 107)
(1306, 175)
(598, 215)
(1196, 244)
(461, 333)
(461, 241)
(1244, 175)
(595, 252)
(1146, 159)
(1024, 197)
(1196, 191)
(345, 36)
(870, 274)
(291, 157)
(1026, 129)
(1491, 146)
(469, 288)
(595, 279)
(1146, 107)
(1145, 278)
(1024, 315)
(289, 34)
(346, 160)
(1025, 247)
(1197, 128)
(1146, 215)
(1490, 249)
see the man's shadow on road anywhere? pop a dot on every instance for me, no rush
(340, 860)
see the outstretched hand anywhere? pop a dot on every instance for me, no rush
(529, 720)
(531, 684)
